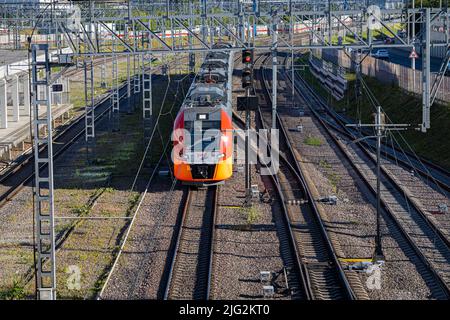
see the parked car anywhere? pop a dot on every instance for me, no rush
(381, 54)
(401, 34)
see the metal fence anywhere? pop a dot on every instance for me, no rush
(389, 73)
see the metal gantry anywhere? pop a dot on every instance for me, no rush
(204, 22)
(147, 29)
(43, 188)
(89, 95)
(147, 98)
(115, 99)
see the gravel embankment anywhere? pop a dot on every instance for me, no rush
(352, 220)
(140, 268)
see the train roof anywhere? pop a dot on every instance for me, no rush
(212, 78)
(222, 45)
(218, 63)
(217, 55)
(206, 94)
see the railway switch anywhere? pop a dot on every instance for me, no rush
(443, 208)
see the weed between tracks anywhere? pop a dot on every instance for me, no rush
(98, 189)
(333, 177)
(313, 141)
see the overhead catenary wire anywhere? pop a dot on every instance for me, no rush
(374, 101)
(151, 138)
(165, 201)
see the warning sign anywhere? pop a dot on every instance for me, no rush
(413, 54)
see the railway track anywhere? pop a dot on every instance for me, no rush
(191, 257)
(426, 169)
(322, 272)
(21, 173)
(422, 237)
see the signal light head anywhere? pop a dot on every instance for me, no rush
(247, 56)
(247, 77)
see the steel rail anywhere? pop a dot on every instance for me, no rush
(347, 290)
(204, 269)
(438, 278)
(348, 132)
(18, 175)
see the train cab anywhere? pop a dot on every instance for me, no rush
(203, 131)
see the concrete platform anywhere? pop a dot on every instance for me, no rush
(14, 138)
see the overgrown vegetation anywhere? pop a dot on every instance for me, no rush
(16, 291)
(250, 214)
(401, 107)
(332, 176)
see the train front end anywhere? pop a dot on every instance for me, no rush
(203, 149)
(203, 130)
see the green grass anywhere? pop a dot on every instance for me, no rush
(401, 107)
(313, 141)
(16, 291)
(250, 214)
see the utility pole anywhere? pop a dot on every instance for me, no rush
(43, 188)
(89, 92)
(380, 127)
(248, 171)
(426, 74)
(126, 36)
(274, 68)
(379, 133)
(413, 28)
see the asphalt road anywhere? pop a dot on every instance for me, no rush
(401, 57)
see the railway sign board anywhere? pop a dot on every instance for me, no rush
(250, 103)
(57, 87)
(413, 54)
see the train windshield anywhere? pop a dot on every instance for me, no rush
(205, 135)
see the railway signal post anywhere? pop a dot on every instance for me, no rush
(274, 67)
(247, 84)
